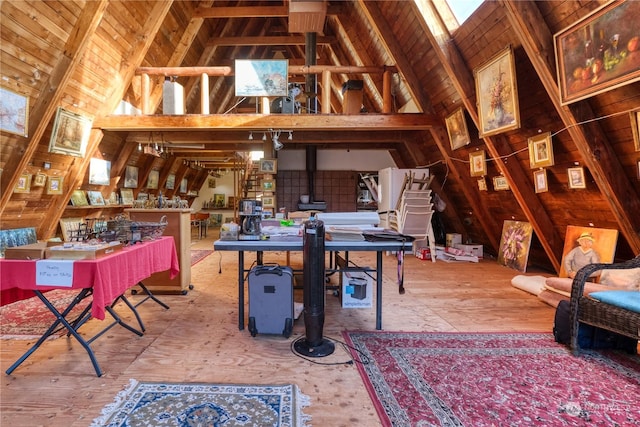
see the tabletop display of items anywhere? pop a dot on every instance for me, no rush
(127, 231)
(82, 250)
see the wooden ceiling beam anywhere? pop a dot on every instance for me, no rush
(241, 12)
(266, 41)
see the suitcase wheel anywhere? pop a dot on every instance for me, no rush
(288, 327)
(252, 326)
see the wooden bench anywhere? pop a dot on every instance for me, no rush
(597, 313)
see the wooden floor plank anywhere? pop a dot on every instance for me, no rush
(197, 340)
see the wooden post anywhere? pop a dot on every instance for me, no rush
(145, 87)
(204, 93)
(326, 92)
(386, 92)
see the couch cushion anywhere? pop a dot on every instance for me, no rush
(629, 300)
(629, 278)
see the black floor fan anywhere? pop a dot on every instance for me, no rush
(313, 344)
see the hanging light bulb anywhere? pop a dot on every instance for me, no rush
(139, 146)
(290, 135)
(250, 136)
(264, 136)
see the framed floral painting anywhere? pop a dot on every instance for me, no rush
(514, 245)
(457, 129)
(478, 163)
(497, 95)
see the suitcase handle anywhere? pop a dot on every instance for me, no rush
(268, 269)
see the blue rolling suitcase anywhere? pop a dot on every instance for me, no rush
(271, 300)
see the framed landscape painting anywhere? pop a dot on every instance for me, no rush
(497, 94)
(576, 178)
(261, 77)
(99, 171)
(15, 112)
(70, 133)
(457, 129)
(599, 52)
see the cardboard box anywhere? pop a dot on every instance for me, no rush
(357, 290)
(453, 239)
(78, 252)
(471, 249)
(31, 251)
(423, 254)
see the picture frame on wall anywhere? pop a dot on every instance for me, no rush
(268, 166)
(24, 183)
(268, 202)
(583, 68)
(576, 177)
(39, 180)
(99, 171)
(457, 129)
(183, 185)
(500, 183)
(54, 185)
(497, 94)
(171, 181)
(152, 179)
(70, 133)
(482, 184)
(540, 181)
(131, 177)
(15, 112)
(635, 128)
(268, 185)
(218, 200)
(478, 163)
(268, 77)
(540, 151)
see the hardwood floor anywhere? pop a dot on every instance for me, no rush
(197, 340)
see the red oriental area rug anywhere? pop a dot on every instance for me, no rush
(494, 379)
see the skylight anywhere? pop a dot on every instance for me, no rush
(462, 9)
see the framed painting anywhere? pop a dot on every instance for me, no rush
(635, 128)
(70, 133)
(268, 185)
(268, 202)
(261, 77)
(171, 181)
(576, 177)
(211, 182)
(131, 177)
(183, 185)
(478, 163)
(514, 245)
(218, 200)
(497, 94)
(24, 184)
(500, 183)
(540, 181)
(268, 166)
(598, 243)
(95, 198)
(99, 171)
(79, 198)
(152, 179)
(457, 129)
(482, 184)
(55, 185)
(15, 113)
(126, 194)
(39, 180)
(70, 228)
(599, 52)
(540, 151)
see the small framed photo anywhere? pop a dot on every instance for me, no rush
(268, 166)
(268, 202)
(39, 180)
(576, 178)
(131, 177)
(268, 185)
(79, 198)
(127, 196)
(95, 198)
(478, 163)
(152, 179)
(540, 151)
(211, 181)
(635, 128)
(99, 171)
(457, 129)
(500, 183)
(171, 181)
(540, 181)
(70, 133)
(24, 184)
(55, 185)
(482, 184)
(183, 185)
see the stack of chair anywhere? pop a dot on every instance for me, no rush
(414, 210)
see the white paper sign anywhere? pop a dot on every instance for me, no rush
(54, 272)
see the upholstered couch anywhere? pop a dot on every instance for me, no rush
(616, 310)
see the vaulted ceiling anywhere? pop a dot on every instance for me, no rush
(417, 68)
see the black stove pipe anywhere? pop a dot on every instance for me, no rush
(312, 155)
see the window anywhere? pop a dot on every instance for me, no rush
(462, 9)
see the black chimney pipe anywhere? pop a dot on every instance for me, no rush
(312, 155)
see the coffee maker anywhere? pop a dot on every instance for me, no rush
(250, 219)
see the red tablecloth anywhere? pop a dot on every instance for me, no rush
(109, 276)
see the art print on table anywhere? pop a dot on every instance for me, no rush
(70, 133)
(457, 129)
(127, 196)
(99, 171)
(95, 198)
(15, 112)
(497, 94)
(599, 52)
(79, 198)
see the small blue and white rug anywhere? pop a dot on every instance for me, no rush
(196, 404)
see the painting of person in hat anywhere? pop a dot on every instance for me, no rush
(581, 255)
